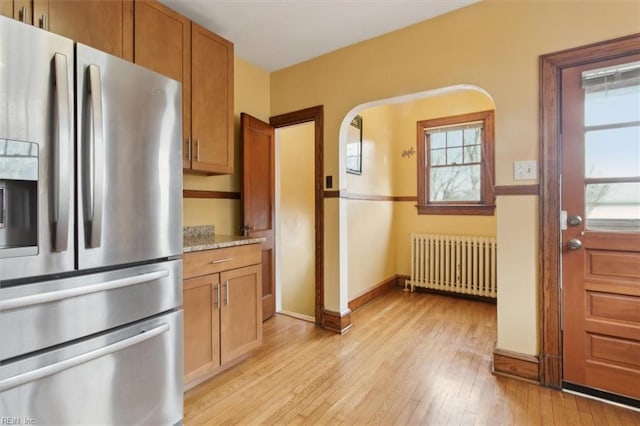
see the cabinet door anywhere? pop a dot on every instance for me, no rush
(241, 312)
(162, 40)
(200, 300)
(6, 8)
(104, 25)
(23, 11)
(212, 102)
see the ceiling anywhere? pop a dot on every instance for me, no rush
(275, 34)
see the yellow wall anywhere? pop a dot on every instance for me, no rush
(296, 218)
(377, 150)
(251, 86)
(494, 45)
(370, 241)
(378, 231)
(371, 245)
(405, 116)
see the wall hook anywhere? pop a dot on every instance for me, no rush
(408, 153)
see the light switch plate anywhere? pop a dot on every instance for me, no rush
(525, 170)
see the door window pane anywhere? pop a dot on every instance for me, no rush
(621, 105)
(612, 153)
(613, 206)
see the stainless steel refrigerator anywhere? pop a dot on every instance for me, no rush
(90, 236)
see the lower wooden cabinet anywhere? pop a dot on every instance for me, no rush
(222, 311)
(201, 326)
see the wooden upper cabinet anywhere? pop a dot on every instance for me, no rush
(6, 8)
(104, 25)
(170, 44)
(212, 102)
(163, 44)
(162, 40)
(21, 10)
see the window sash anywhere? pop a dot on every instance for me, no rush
(483, 120)
(463, 162)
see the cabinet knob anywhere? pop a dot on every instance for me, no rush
(247, 229)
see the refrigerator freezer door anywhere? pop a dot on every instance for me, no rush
(49, 313)
(36, 130)
(129, 170)
(130, 376)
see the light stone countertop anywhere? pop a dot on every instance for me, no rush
(198, 238)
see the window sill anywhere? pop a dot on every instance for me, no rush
(458, 209)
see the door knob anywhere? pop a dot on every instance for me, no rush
(574, 244)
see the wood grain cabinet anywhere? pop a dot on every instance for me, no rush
(222, 309)
(104, 25)
(22, 10)
(170, 44)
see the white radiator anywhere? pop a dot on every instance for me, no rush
(453, 263)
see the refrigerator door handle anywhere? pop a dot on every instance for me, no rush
(54, 296)
(96, 159)
(61, 163)
(51, 369)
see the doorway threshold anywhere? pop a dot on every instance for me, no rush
(602, 396)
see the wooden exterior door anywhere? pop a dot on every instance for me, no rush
(258, 195)
(601, 236)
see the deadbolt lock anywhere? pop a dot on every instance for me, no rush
(574, 220)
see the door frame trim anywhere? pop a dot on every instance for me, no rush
(549, 309)
(313, 114)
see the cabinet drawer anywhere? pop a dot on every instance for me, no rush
(218, 260)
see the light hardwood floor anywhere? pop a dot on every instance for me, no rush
(410, 358)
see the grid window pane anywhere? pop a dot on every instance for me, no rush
(472, 136)
(472, 154)
(454, 138)
(438, 140)
(454, 155)
(438, 157)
